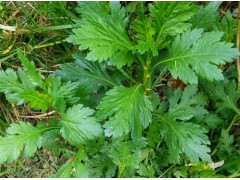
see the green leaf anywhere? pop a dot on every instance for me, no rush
(30, 67)
(94, 72)
(143, 27)
(146, 171)
(197, 53)
(36, 100)
(127, 154)
(102, 166)
(74, 168)
(128, 110)
(62, 93)
(170, 18)
(225, 95)
(79, 125)
(187, 104)
(51, 141)
(21, 138)
(225, 142)
(231, 164)
(13, 84)
(184, 138)
(207, 17)
(103, 33)
(213, 121)
(228, 25)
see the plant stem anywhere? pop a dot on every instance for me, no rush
(146, 74)
(120, 171)
(127, 76)
(158, 78)
(237, 44)
(167, 170)
(141, 60)
(235, 175)
(8, 171)
(232, 123)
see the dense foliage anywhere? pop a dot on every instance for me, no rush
(116, 113)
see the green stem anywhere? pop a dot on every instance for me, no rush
(141, 60)
(232, 123)
(235, 175)
(127, 76)
(158, 78)
(120, 171)
(146, 74)
(172, 166)
(8, 171)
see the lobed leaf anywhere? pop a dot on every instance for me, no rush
(74, 168)
(21, 138)
(170, 18)
(184, 138)
(127, 154)
(225, 95)
(103, 33)
(145, 31)
(195, 53)
(36, 100)
(93, 72)
(207, 17)
(128, 109)
(187, 104)
(79, 125)
(30, 67)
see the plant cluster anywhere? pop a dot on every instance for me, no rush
(117, 116)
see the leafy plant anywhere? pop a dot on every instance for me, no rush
(111, 114)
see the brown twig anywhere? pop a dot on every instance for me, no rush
(41, 116)
(237, 44)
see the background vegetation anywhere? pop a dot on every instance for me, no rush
(40, 30)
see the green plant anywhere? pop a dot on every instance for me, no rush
(111, 116)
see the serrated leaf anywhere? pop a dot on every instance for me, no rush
(51, 142)
(94, 72)
(103, 34)
(187, 104)
(127, 154)
(102, 166)
(225, 94)
(146, 171)
(79, 125)
(170, 18)
(143, 27)
(184, 138)
(207, 17)
(62, 93)
(21, 138)
(225, 142)
(128, 110)
(228, 25)
(75, 168)
(36, 100)
(13, 86)
(30, 67)
(231, 164)
(213, 121)
(195, 53)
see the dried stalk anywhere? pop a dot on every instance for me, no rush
(237, 44)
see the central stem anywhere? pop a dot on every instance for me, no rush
(146, 74)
